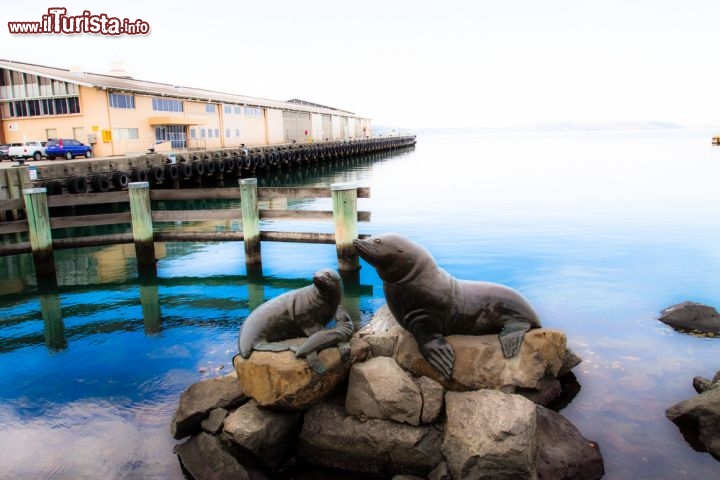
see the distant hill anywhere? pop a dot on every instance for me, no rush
(543, 127)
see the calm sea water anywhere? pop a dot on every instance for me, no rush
(599, 230)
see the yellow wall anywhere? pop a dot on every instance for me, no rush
(228, 129)
(91, 119)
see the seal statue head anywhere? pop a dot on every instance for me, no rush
(329, 284)
(394, 256)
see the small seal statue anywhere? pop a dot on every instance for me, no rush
(300, 313)
(431, 304)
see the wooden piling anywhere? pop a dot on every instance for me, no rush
(53, 322)
(251, 220)
(344, 200)
(142, 226)
(38, 217)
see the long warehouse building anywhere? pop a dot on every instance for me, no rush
(118, 115)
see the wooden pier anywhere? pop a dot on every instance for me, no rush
(191, 169)
(38, 223)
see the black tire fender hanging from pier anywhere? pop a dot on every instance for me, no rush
(100, 183)
(120, 180)
(77, 185)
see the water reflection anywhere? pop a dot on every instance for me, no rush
(600, 231)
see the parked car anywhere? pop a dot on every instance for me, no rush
(34, 149)
(66, 147)
(4, 151)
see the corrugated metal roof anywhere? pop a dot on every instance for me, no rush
(131, 85)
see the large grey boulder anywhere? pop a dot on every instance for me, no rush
(490, 435)
(379, 388)
(205, 457)
(270, 436)
(692, 316)
(199, 399)
(702, 414)
(563, 453)
(331, 438)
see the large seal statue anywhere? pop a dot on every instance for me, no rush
(300, 313)
(431, 304)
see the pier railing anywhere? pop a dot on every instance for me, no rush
(39, 224)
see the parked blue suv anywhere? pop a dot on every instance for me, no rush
(66, 147)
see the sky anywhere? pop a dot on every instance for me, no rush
(415, 64)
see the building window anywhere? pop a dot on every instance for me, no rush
(237, 132)
(217, 133)
(237, 110)
(253, 112)
(125, 134)
(118, 100)
(46, 106)
(202, 133)
(193, 133)
(16, 85)
(227, 109)
(227, 133)
(209, 108)
(167, 105)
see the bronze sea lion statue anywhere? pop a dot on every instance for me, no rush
(432, 304)
(300, 313)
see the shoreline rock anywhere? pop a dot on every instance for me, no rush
(692, 316)
(701, 413)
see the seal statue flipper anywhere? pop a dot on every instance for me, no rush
(440, 354)
(315, 363)
(341, 332)
(345, 351)
(433, 346)
(511, 336)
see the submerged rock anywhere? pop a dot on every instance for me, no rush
(692, 316)
(563, 453)
(199, 399)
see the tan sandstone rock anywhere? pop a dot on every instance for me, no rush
(279, 381)
(479, 361)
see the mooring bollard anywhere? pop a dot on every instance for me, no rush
(142, 226)
(250, 219)
(38, 217)
(344, 200)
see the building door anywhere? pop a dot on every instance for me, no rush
(175, 134)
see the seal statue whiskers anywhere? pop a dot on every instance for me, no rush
(432, 304)
(300, 313)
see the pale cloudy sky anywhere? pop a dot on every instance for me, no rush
(448, 63)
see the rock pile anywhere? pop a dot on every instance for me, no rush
(384, 411)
